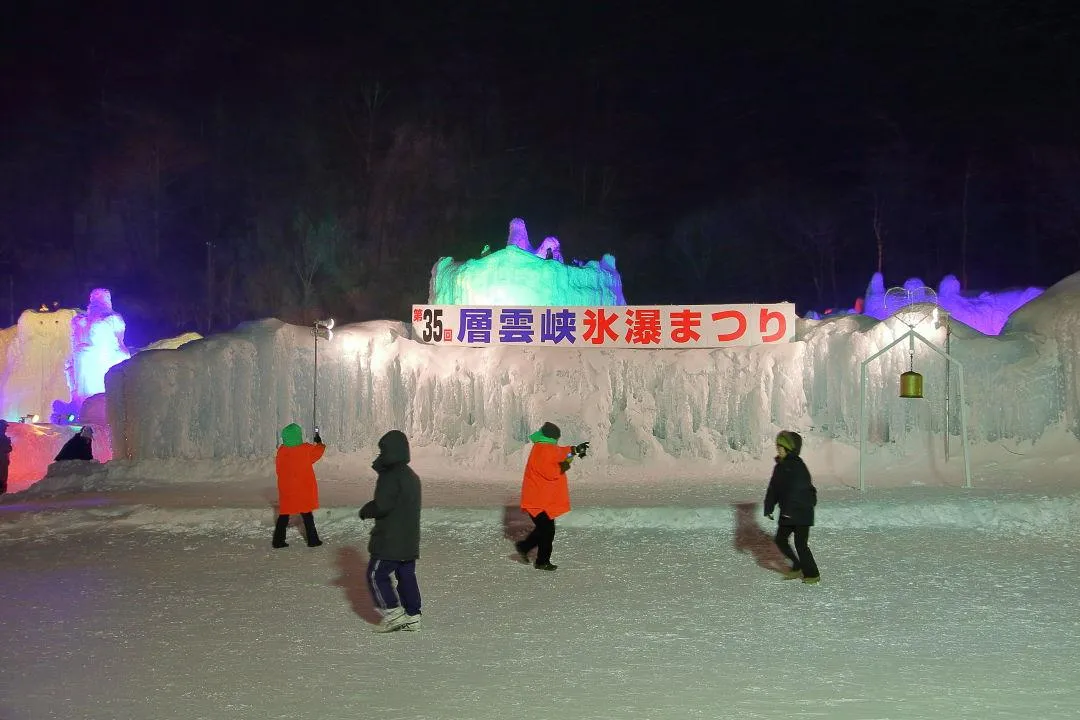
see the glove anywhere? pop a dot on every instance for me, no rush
(318, 438)
(564, 465)
(581, 449)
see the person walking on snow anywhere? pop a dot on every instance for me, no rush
(394, 546)
(298, 491)
(545, 493)
(5, 456)
(793, 490)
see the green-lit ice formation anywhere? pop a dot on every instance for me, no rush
(520, 275)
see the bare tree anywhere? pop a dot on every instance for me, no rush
(964, 225)
(815, 228)
(315, 248)
(879, 234)
(697, 245)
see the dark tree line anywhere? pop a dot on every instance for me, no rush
(217, 166)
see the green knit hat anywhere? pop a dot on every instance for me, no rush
(789, 441)
(292, 435)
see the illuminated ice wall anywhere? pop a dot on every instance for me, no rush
(230, 394)
(987, 312)
(54, 360)
(522, 275)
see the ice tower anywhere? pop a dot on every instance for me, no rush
(97, 343)
(522, 275)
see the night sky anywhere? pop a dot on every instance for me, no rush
(331, 155)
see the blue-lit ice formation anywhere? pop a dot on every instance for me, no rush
(97, 344)
(521, 275)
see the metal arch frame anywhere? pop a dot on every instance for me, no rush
(912, 335)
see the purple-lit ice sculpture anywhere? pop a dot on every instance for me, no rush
(519, 237)
(97, 343)
(986, 312)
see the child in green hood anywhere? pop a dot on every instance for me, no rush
(298, 492)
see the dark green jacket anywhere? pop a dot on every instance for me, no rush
(396, 506)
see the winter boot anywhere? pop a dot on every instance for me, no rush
(280, 526)
(309, 530)
(393, 619)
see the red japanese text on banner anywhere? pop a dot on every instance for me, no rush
(623, 326)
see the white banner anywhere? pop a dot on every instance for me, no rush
(623, 326)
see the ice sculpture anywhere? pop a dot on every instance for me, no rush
(35, 363)
(520, 275)
(987, 312)
(97, 343)
(519, 237)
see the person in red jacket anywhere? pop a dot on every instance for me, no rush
(545, 494)
(298, 492)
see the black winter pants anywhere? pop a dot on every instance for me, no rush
(309, 530)
(542, 537)
(804, 560)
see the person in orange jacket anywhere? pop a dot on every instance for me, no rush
(298, 492)
(545, 494)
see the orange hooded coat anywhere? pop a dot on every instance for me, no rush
(544, 487)
(298, 491)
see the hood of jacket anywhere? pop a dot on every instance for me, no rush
(292, 435)
(548, 433)
(393, 450)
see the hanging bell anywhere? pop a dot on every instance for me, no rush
(911, 385)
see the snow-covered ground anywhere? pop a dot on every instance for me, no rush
(145, 587)
(162, 599)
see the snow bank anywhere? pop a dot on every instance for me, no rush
(228, 396)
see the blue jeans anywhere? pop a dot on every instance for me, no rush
(407, 595)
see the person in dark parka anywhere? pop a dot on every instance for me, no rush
(79, 447)
(395, 540)
(5, 456)
(793, 490)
